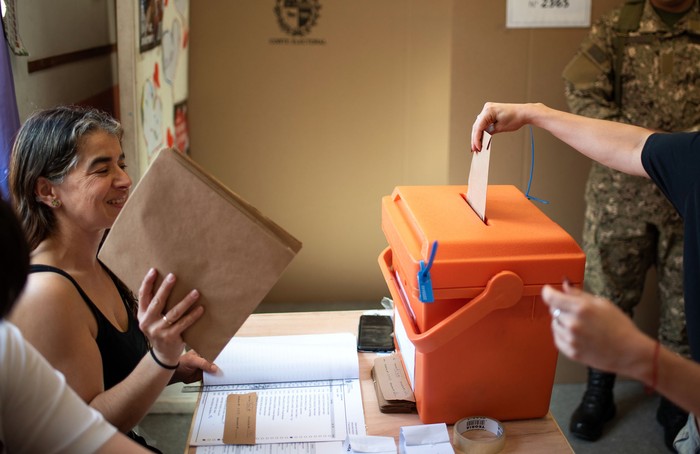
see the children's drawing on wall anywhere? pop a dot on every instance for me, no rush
(163, 104)
(151, 117)
(171, 50)
(182, 129)
(11, 25)
(150, 23)
(181, 6)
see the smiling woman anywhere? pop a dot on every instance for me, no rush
(96, 187)
(68, 184)
(45, 151)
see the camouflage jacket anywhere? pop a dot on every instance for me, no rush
(659, 77)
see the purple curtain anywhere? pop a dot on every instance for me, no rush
(9, 116)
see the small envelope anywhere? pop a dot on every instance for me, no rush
(478, 182)
(356, 444)
(425, 439)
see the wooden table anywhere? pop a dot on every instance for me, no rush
(532, 435)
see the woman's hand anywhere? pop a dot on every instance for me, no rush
(191, 367)
(594, 331)
(495, 118)
(164, 329)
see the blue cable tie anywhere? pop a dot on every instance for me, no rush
(532, 170)
(425, 283)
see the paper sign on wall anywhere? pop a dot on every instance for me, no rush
(548, 13)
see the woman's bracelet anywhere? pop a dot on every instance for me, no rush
(162, 364)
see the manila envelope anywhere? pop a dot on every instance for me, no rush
(181, 220)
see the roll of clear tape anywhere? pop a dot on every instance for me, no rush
(463, 444)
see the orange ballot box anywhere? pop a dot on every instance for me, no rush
(471, 328)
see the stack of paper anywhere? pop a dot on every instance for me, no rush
(306, 387)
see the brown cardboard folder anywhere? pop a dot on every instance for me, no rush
(181, 220)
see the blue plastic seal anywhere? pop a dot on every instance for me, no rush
(425, 284)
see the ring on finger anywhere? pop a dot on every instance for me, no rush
(555, 315)
(165, 319)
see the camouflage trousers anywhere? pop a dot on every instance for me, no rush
(630, 227)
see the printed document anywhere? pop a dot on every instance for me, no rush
(308, 393)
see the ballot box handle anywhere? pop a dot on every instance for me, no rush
(502, 291)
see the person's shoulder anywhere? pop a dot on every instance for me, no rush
(47, 298)
(12, 350)
(52, 315)
(610, 18)
(49, 287)
(606, 23)
(9, 335)
(669, 146)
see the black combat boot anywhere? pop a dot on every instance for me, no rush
(672, 419)
(597, 406)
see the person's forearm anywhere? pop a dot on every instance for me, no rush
(666, 372)
(125, 404)
(613, 144)
(119, 444)
(678, 379)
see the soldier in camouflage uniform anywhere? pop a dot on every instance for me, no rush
(640, 65)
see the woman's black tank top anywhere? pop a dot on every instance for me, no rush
(121, 351)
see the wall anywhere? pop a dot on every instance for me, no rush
(48, 29)
(314, 134)
(86, 25)
(378, 94)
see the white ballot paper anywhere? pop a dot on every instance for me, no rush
(307, 387)
(360, 444)
(479, 177)
(281, 448)
(425, 439)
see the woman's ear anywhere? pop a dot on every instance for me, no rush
(44, 192)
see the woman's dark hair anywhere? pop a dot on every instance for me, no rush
(14, 259)
(47, 146)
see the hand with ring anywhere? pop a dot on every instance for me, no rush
(555, 315)
(590, 329)
(163, 327)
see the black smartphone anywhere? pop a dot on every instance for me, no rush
(375, 333)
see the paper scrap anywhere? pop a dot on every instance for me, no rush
(239, 427)
(425, 439)
(356, 444)
(392, 378)
(479, 177)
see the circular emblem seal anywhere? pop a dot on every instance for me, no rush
(297, 17)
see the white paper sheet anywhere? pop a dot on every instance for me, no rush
(548, 13)
(406, 347)
(335, 447)
(361, 444)
(278, 359)
(307, 409)
(425, 439)
(287, 412)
